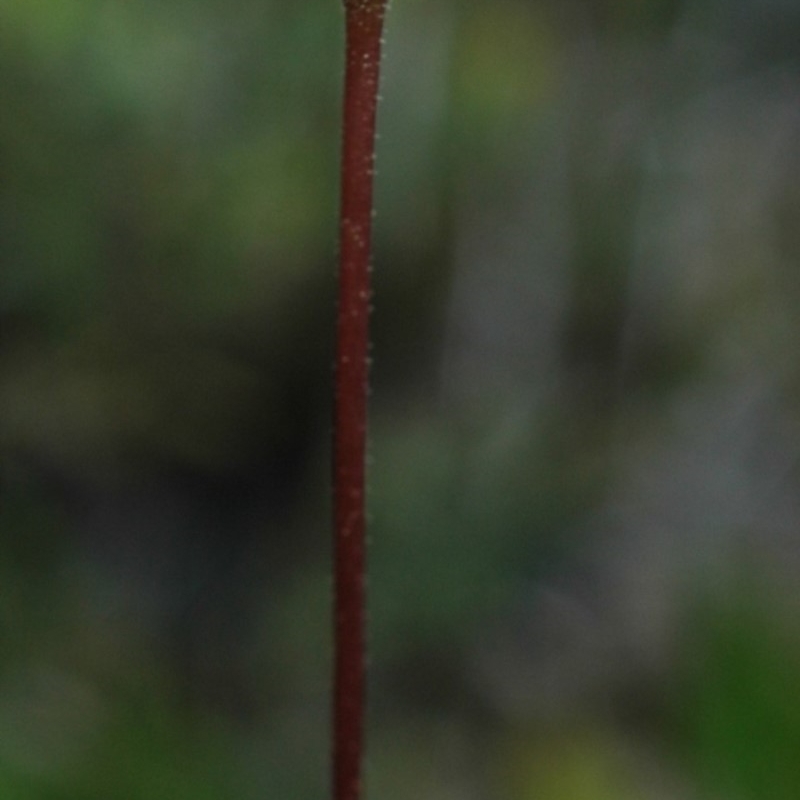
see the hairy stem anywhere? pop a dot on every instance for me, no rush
(364, 25)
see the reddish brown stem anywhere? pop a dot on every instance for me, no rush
(364, 25)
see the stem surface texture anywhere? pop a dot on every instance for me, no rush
(364, 26)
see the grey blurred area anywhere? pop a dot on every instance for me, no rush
(585, 419)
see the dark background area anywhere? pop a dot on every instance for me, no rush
(585, 520)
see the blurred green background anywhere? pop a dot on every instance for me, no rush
(584, 481)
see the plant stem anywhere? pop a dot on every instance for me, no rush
(364, 26)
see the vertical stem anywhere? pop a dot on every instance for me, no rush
(364, 25)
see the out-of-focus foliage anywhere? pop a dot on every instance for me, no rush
(738, 699)
(585, 405)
